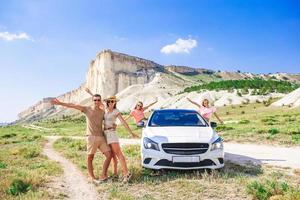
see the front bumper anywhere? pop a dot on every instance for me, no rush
(161, 160)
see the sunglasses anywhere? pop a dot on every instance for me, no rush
(110, 101)
(140, 105)
(97, 100)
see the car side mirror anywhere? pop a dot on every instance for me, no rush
(213, 124)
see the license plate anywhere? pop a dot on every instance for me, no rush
(186, 159)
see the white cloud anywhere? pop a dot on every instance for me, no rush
(180, 46)
(12, 36)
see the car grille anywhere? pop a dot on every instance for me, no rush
(185, 148)
(202, 163)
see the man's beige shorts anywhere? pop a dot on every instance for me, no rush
(111, 136)
(96, 142)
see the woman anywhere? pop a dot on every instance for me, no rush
(138, 113)
(110, 116)
(206, 111)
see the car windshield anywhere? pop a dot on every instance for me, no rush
(176, 118)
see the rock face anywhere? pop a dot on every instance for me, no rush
(109, 73)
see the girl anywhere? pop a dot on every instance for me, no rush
(138, 113)
(206, 111)
(110, 116)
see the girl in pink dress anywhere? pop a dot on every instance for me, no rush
(206, 111)
(138, 113)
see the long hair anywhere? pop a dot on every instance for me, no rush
(204, 101)
(136, 105)
(115, 105)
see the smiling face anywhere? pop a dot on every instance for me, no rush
(139, 106)
(111, 103)
(97, 101)
(205, 103)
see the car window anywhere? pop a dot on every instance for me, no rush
(176, 118)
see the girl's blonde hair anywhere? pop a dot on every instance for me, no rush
(204, 101)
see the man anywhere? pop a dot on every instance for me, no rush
(94, 131)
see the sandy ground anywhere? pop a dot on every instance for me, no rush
(73, 184)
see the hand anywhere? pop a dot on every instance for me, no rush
(221, 122)
(55, 101)
(115, 126)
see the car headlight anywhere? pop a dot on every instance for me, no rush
(150, 144)
(217, 144)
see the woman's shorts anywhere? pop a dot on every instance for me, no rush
(111, 136)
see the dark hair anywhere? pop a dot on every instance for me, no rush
(115, 106)
(97, 95)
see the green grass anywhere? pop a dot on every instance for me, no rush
(232, 182)
(260, 124)
(268, 188)
(23, 170)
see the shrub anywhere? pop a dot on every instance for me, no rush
(273, 131)
(259, 86)
(3, 165)
(223, 128)
(29, 152)
(244, 121)
(264, 190)
(18, 186)
(296, 137)
(9, 135)
(78, 145)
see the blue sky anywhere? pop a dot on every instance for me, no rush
(45, 46)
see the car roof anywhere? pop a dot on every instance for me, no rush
(176, 109)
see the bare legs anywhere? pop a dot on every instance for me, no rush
(118, 153)
(115, 164)
(106, 163)
(90, 159)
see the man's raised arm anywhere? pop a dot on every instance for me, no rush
(68, 105)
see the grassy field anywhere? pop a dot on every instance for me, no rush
(24, 171)
(244, 123)
(233, 182)
(256, 123)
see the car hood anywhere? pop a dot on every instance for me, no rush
(180, 134)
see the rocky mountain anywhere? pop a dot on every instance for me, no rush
(132, 79)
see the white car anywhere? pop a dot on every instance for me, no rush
(180, 139)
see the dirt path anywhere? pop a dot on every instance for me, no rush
(75, 184)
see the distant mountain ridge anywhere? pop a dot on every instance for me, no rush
(113, 73)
